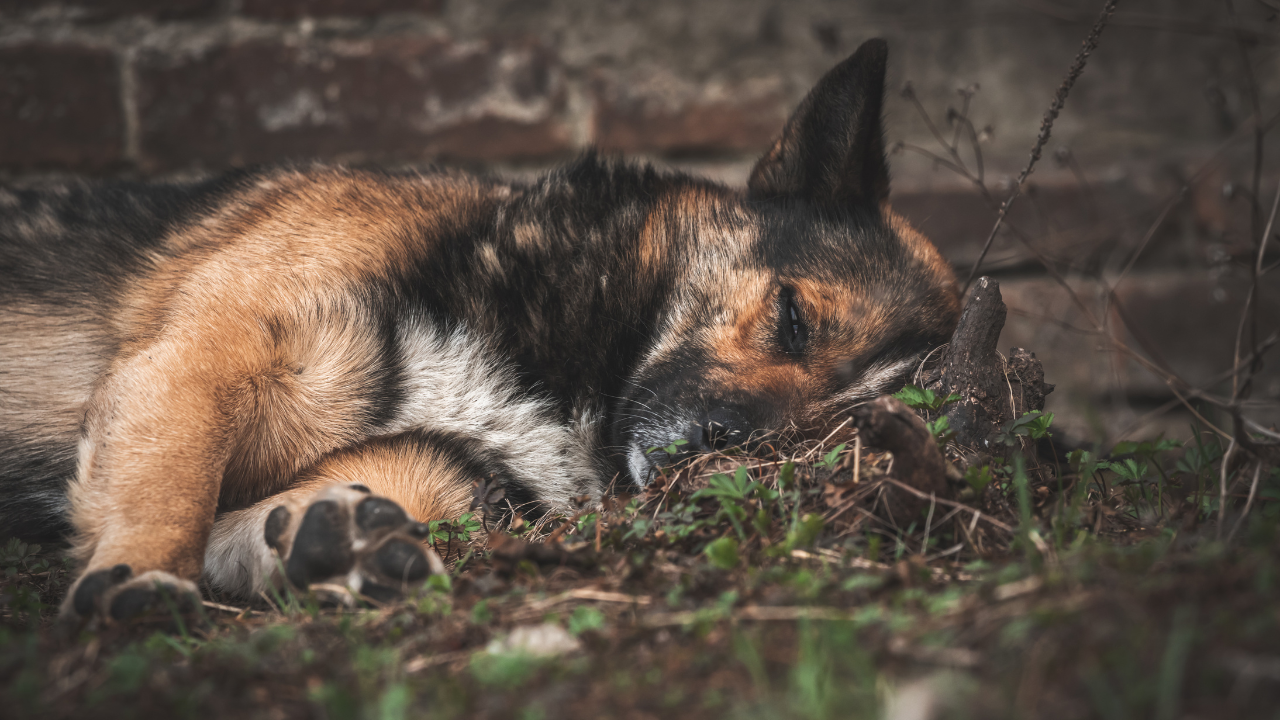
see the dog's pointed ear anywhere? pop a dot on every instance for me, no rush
(831, 151)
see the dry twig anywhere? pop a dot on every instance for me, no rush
(1046, 126)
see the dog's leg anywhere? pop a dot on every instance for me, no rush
(151, 461)
(352, 520)
(230, 407)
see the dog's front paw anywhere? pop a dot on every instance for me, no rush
(350, 538)
(116, 594)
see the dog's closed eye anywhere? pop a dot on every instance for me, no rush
(792, 330)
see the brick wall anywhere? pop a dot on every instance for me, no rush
(152, 88)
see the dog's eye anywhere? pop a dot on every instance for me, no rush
(792, 330)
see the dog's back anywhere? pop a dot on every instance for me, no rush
(66, 253)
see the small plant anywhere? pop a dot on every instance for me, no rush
(672, 449)
(941, 430)
(918, 398)
(437, 596)
(978, 478)
(480, 613)
(804, 533)
(829, 460)
(733, 493)
(681, 521)
(1129, 469)
(1033, 425)
(449, 531)
(585, 618)
(723, 553)
(17, 556)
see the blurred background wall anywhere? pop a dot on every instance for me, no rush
(1160, 127)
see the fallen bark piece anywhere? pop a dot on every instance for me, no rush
(887, 423)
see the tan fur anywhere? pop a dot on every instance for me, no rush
(423, 481)
(199, 390)
(52, 357)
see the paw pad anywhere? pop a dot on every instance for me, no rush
(398, 559)
(95, 584)
(365, 542)
(117, 594)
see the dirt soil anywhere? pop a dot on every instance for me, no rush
(902, 567)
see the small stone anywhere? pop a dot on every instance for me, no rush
(545, 640)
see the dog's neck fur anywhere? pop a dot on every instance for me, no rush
(574, 339)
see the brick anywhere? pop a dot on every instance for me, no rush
(386, 100)
(666, 115)
(1082, 232)
(60, 108)
(1188, 317)
(111, 9)
(293, 9)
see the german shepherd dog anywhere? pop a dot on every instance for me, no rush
(276, 375)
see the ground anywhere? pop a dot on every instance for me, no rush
(743, 586)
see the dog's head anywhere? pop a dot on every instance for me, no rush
(794, 301)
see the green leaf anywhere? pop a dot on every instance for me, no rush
(916, 397)
(830, 459)
(672, 449)
(786, 475)
(1034, 425)
(394, 703)
(439, 583)
(862, 582)
(586, 521)
(1124, 447)
(941, 429)
(585, 618)
(1131, 469)
(805, 532)
(639, 528)
(723, 487)
(501, 670)
(978, 477)
(923, 398)
(723, 553)
(1039, 427)
(480, 613)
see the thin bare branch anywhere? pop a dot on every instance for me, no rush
(1250, 311)
(1253, 492)
(1222, 485)
(1266, 232)
(1200, 392)
(1046, 127)
(976, 513)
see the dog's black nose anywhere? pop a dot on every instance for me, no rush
(720, 428)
